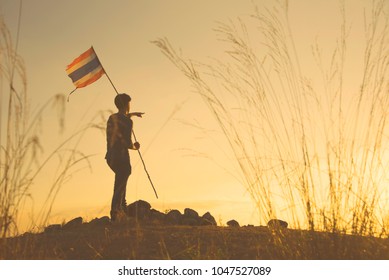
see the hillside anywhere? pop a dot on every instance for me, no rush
(144, 237)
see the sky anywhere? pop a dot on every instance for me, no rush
(185, 152)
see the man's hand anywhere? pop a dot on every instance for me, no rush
(136, 146)
(137, 114)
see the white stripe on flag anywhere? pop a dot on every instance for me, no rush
(81, 63)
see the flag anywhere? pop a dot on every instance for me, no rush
(85, 69)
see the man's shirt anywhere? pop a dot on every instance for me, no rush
(119, 128)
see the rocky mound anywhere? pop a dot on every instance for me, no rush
(141, 212)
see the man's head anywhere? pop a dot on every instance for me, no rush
(122, 101)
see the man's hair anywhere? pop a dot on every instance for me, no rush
(121, 100)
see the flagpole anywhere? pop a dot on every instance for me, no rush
(133, 133)
(144, 167)
(109, 79)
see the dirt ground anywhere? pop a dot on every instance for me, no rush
(134, 241)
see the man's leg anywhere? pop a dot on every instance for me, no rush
(126, 172)
(122, 172)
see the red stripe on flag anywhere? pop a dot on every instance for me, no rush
(92, 79)
(89, 52)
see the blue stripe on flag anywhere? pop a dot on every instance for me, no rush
(85, 69)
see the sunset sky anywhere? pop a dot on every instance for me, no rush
(186, 154)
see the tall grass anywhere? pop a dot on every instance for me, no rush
(22, 155)
(312, 153)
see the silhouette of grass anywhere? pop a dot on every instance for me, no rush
(315, 157)
(156, 242)
(22, 159)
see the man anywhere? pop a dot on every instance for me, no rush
(119, 130)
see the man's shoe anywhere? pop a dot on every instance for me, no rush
(118, 216)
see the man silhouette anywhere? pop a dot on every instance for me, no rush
(119, 130)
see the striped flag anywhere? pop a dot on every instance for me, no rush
(85, 69)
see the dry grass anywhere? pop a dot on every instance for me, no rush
(22, 157)
(132, 241)
(313, 155)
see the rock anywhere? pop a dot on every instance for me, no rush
(208, 219)
(155, 215)
(233, 223)
(190, 218)
(190, 213)
(276, 223)
(53, 228)
(139, 209)
(103, 221)
(174, 217)
(204, 222)
(76, 222)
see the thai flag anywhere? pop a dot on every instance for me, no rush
(85, 69)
